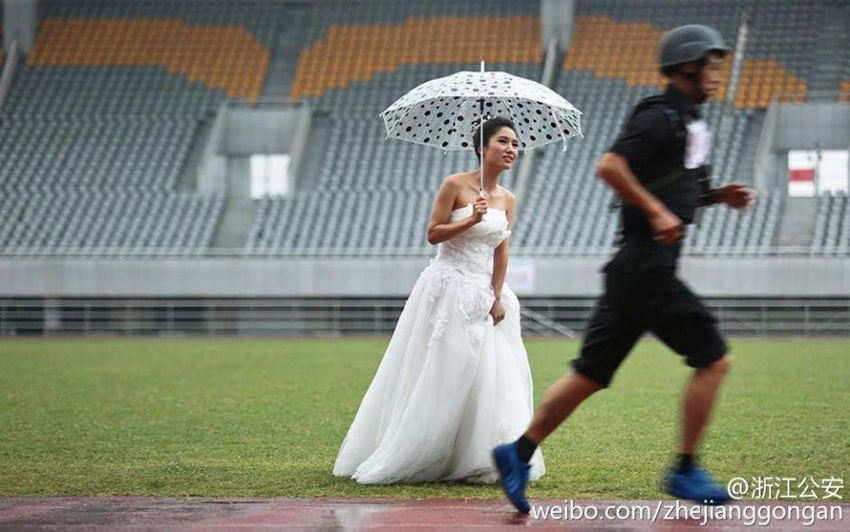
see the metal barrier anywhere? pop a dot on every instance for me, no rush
(536, 323)
(386, 252)
(367, 316)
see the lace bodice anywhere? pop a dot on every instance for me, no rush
(472, 250)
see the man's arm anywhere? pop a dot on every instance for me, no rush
(735, 195)
(615, 171)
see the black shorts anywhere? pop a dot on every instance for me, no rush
(635, 303)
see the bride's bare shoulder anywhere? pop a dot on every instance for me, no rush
(507, 196)
(455, 179)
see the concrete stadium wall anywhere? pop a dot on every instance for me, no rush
(814, 125)
(810, 126)
(239, 131)
(387, 277)
(264, 130)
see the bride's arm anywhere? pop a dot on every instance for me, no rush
(500, 266)
(439, 228)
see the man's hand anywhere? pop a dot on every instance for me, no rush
(614, 170)
(735, 195)
(667, 227)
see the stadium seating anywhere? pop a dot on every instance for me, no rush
(101, 118)
(609, 66)
(367, 177)
(226, 58)
(107, 220)
(832, 225)
(107, 105)
(358, 52)
(779, 49)
(365, 194)
(259, 17)
(100, 93)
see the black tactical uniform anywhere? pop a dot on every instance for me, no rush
(642, 292)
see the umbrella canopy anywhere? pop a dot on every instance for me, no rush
(443, 112)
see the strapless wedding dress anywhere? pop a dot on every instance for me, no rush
(451, 385)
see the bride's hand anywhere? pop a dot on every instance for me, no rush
(497, 312)
(479, 209)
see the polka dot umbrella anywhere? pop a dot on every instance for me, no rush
(443, 112)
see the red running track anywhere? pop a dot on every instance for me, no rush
(153, 513)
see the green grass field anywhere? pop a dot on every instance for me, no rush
(265, 418)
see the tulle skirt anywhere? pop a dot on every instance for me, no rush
(451, 386)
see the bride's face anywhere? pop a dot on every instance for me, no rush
(502, 149)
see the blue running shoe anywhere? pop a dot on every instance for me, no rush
(514, 474)
(696, 485)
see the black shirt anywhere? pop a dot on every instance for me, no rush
(653, 141)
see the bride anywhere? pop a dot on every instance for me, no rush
(454, 381)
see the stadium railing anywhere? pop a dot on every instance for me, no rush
(199, 253)
(322, 317)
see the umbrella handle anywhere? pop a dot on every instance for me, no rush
(481, 144)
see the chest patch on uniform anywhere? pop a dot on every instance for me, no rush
(699, 144)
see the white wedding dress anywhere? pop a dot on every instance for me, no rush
(451, 385)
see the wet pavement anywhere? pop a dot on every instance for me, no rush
(155, 513)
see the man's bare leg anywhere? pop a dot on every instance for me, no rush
(687, 480)
(560, 400)
(698, 402)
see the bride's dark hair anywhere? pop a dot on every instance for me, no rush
(492, 124)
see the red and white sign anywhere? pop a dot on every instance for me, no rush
(817, 172)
